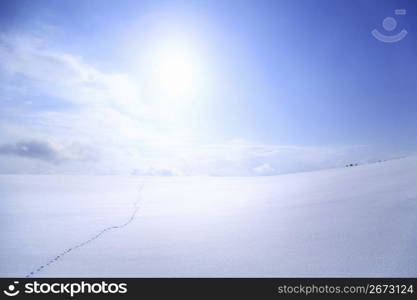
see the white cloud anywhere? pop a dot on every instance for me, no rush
(105, 111)
(65, 77)
(264, 169)
(109, 123)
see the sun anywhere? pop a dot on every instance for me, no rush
(173, 78)
(176, 70)
(176, 73)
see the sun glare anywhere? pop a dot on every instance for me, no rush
(175, 76)
(176, 71)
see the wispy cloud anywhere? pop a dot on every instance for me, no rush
(71, 102)
(63, 110)
(63, 76)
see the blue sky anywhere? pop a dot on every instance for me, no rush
(203, 87)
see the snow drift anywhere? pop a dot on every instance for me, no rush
(357, 221)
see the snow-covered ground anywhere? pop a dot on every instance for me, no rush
(359, 221)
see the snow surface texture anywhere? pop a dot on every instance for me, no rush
(359, 221)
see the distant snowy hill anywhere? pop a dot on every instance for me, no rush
(359, 221)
